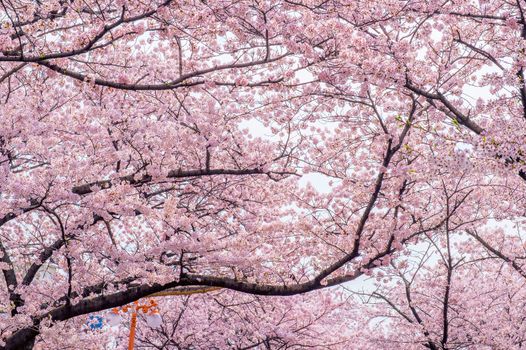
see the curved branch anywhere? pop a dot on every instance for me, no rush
(173, 174)
(169, 85)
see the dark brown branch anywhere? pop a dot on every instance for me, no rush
(9, 276)
(107, 28)
(11, 72)
(391, 150)
(479, 51)
(182, 81)
(497, 253)
(174, 174)
(43, 257)
(460, 117)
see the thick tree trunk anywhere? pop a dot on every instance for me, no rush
(24, 339)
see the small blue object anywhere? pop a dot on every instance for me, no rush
(95, 322)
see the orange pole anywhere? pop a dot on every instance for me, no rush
(133, 325)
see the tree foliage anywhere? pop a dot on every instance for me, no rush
(275, 149)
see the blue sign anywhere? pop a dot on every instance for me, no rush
(95, 322)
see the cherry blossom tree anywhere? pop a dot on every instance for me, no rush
(163, 145)
(451, 304)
